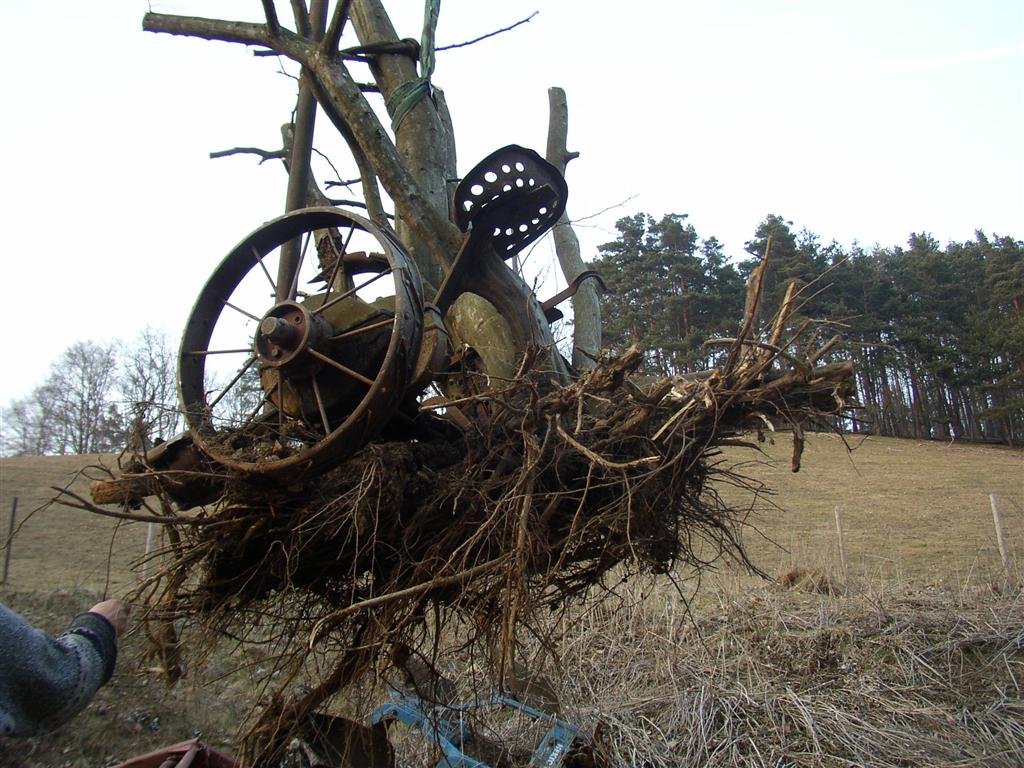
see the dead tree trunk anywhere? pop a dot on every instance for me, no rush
(585, 307)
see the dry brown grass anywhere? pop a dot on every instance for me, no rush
(923, 678)
(909, 678)
(912, 510)
(135, 712)
(57, 548)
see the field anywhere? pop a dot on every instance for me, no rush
(910, 657)
(912, 511)
(58, 548)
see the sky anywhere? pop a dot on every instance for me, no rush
(860, 121)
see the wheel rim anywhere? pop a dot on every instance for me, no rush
(322, 372)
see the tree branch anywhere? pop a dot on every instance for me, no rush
(489, 34)
(302, 21)
(334, 31)
(327, 160)
(87, 506)
(423, 141)
(585, 305)
(273, 25)
(406, 47)
(367, 175)
(339, 94)
(439, 235)
(603, 210)
(313, 194)
(299, 174)
(277, 154)
(216, 29)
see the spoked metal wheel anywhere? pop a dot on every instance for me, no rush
(274, 378)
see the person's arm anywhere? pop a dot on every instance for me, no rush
(44, 681)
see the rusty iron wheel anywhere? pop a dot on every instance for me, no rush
(322, 371)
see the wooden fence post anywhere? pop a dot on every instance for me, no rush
(1004, 550)
(9, 541)
(150, 537)
(842, 543)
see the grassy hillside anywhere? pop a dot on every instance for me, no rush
(56, 547)
(916, 511)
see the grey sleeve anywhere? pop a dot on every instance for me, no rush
(44, 681)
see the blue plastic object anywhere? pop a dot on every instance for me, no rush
(446, 726)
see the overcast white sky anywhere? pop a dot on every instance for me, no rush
(858, 120)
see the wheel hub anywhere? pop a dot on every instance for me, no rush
(285, 333)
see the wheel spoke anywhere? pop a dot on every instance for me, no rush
(202, 352)
(279, 386)
(259, 259)
(320, 405)
(241, 311)
(239, 375)
(363, 329)
(293, 292)
(350, 291)
(335, 364)
(259, 407)
(340, 259)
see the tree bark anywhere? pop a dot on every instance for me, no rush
(918, 405)
(424, 139)
(585, 306)
(367, 175)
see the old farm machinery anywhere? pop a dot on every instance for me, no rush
(332, 340)
(333, 359)
(339, 343)
(316, 334)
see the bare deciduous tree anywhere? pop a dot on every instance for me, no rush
(94, 396)
(242, 400)
(148, 388)
(25, 427)
(79, 396)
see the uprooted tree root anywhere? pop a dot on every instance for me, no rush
(551, 491)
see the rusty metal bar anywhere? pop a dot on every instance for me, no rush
(9, 541)
(549, 306)
(344, 369)
(350, 291)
